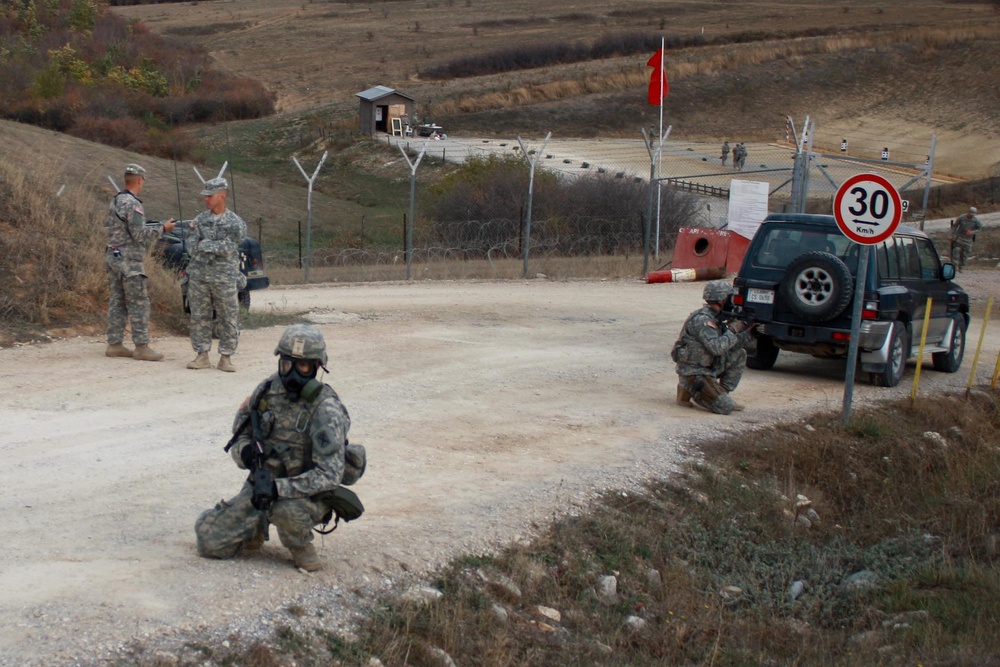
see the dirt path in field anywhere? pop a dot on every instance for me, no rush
(484, 406)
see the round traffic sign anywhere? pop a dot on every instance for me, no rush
(867, 208)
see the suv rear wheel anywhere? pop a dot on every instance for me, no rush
(951, 361)
(899, 352)
(817, 286)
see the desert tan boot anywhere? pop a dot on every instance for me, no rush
(146, 353)
(201, 361)
(117, 350)
(683, 397)
(255, 542)
(225, 364)
(307, 558)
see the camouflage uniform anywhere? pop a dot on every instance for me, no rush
(305, 453)
(739, 156)
(725, 152)
(961, 240)
(213, 241)
(129, 238)
(708, 352)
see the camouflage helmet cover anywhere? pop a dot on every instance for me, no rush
(717, 291)
(303, 341)
(132, 169)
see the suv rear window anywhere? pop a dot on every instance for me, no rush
(782, 245)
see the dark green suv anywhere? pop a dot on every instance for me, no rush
(797, 284)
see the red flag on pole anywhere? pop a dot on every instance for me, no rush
(658, 85)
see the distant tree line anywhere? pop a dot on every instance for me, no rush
(530, 56)
(73, 66)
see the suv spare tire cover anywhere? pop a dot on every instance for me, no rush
(817, 286)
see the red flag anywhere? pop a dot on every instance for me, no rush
(658, 85)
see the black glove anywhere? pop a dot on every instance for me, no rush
(249, 457)
(265, 491)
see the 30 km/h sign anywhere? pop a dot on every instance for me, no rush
(867, 208)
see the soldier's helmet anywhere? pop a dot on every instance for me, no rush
(717, 291)
(132, 169)
(303, 341)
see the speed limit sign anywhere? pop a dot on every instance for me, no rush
(867, 208)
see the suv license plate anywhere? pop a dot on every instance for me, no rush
(760, 295)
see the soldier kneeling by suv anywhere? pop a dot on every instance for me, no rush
(710, 354)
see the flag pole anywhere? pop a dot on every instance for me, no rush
(659, 150)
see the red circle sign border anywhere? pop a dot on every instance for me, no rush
(893, 193)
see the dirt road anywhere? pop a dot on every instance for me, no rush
(484, 406)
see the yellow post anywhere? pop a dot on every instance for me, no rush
(996, 373)
(923, 342)
(979, 346)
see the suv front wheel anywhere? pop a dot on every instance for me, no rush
(817, 286)
(899, 352)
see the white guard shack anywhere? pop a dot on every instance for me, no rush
(384, 110)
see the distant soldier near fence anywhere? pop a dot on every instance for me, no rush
(963, 234)
(725, 152)
(739, 156)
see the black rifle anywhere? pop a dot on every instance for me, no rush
(260, 477)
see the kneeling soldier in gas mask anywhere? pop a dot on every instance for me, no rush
(291, 434)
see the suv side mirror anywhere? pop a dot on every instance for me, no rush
(947, 271)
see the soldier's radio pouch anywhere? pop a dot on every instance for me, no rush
(343, 503)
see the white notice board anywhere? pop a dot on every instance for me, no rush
(747, 206)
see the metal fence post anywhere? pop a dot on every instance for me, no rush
(531, 187)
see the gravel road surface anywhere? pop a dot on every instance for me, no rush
(484, 406)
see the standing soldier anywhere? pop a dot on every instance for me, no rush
(129, 238)
(963, 233)
(213, 241)
(725, 151)
(710, 358)
(742, 149)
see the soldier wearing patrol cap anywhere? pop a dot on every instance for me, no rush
(129, 238)
(303, 429)
(710, 356)
(213, 242)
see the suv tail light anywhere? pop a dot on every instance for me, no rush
(870, 310)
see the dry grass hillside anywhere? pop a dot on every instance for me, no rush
(892, 72)
(884, 71)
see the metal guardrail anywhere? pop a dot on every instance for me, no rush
(697, 188)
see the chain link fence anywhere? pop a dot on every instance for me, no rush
(592, 199)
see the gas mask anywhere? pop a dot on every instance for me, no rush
(295, 381)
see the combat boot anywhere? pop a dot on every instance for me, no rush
(307, 558)
(255, 542)
(225, 364)
(146, 353)
(201, 361)
(117, 350)
(683, 397)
